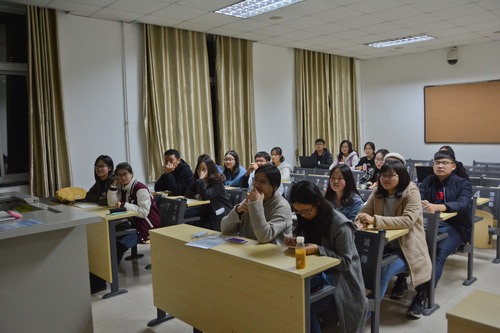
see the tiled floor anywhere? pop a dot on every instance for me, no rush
(131, 312)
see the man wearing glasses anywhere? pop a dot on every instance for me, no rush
(446, 192)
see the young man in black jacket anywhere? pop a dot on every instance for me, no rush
(446, 192)
(322, 154)
(177, 175)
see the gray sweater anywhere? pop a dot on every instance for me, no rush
(268, 222)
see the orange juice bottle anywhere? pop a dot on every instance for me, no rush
(300, 253)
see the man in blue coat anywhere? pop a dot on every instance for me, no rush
(448, 193)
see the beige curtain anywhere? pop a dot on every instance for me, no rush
(235, 99)
(326, 101)
(176, 96)
(50, 166)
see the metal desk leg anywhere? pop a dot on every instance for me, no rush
(161, 317)
(115, 288)
(307, 294)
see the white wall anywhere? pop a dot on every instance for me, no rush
(92, 76)
(392, 101)
(274, 89)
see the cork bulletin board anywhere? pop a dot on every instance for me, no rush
(463, 113)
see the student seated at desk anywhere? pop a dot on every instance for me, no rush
(128, 192)
(284, 167)
(379, 161)
(342, 193)
(177, 175)
(347, 155)
(369, 159)
(264, 215)
(322, 154)
(446, 192)
(103, 174)
(395, 204)
(209, 185)
(327, 232)
(233, 171)
(261, 158)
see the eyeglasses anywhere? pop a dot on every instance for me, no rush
(305, 212)
(379, 160)
(262, 182)
(101, 166)
(123, 175)
(443, 163)
(389, 177)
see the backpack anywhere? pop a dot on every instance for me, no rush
(68, 195)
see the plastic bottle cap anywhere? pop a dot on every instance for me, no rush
(300, 239)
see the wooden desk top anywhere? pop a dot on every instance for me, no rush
(445, 216)
(190, 202)
(273, 256)
(482, 201)
(391, 234)
(103, 212)
(479, 309)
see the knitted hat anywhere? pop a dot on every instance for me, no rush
(395, 156)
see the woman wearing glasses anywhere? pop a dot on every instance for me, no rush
(342, 193)
(103, 174)
(379, 161)
(395, 204)
(264, 215)
(327, 232)
(233, 171)
(128, 192)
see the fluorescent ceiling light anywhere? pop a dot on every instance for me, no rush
(249, 8)
(400, 41)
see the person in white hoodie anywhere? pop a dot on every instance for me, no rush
(346, 156)
(284, 167)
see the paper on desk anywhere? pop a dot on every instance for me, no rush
(86, 205)
(208, 241)
(19, 224)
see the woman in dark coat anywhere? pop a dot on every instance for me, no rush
(328, 232)
(209, 185)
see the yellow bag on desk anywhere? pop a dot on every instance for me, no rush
(69, 195)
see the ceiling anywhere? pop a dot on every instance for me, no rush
(339, 27)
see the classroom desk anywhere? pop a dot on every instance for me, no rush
(231, 287)
(445, 216)
(190, 202)
(482, 201)
(44, 281)
(391, 234)
(476, 313)
(101, 247)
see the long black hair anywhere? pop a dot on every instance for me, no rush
(349, 189)
(307, 193)
(403, 178)
(108, 161)
(340, 155)
(213, 173)
(236, 169)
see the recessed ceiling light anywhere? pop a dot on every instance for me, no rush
(400, 41)
(249, 8)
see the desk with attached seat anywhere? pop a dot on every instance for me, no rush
(247, 287)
